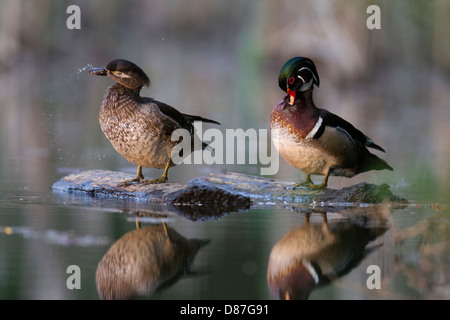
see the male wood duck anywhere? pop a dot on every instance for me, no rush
(315, 140)
(140, 128)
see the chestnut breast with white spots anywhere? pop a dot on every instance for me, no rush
(295, 134)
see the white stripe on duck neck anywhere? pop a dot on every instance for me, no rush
(315, 129)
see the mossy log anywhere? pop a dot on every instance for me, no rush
(221, 189)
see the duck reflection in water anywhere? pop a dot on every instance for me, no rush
(143, 261)
(315, 254)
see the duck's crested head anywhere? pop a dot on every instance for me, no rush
(124, 72)
(298, 75)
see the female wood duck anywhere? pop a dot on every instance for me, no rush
(315, 140)
(140, 128)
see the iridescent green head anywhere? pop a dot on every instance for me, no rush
(298, 74)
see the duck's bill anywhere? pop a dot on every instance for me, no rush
(98, 71)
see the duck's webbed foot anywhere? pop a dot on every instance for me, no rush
(309, 184)
(159, 180)
(154, 181)
(139, 178)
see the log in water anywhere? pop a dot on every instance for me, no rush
(224, 189)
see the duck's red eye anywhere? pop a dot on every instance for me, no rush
(291, 80)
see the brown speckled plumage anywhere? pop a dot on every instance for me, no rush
(144, 260)
(139, 128)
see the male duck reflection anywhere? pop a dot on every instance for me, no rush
(314, 255)
(315, 140)
(140, 128)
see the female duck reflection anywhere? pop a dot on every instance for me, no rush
(313, 255)
(143, 261)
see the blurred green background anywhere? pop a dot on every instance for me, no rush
(220, 59)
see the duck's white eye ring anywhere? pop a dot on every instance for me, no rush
(120, 74)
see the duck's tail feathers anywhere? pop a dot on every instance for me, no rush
(369, 161)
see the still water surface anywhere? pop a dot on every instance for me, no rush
(45, 232)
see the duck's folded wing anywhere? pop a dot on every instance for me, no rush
(335, 121)
(184, 120)
(172, 113)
